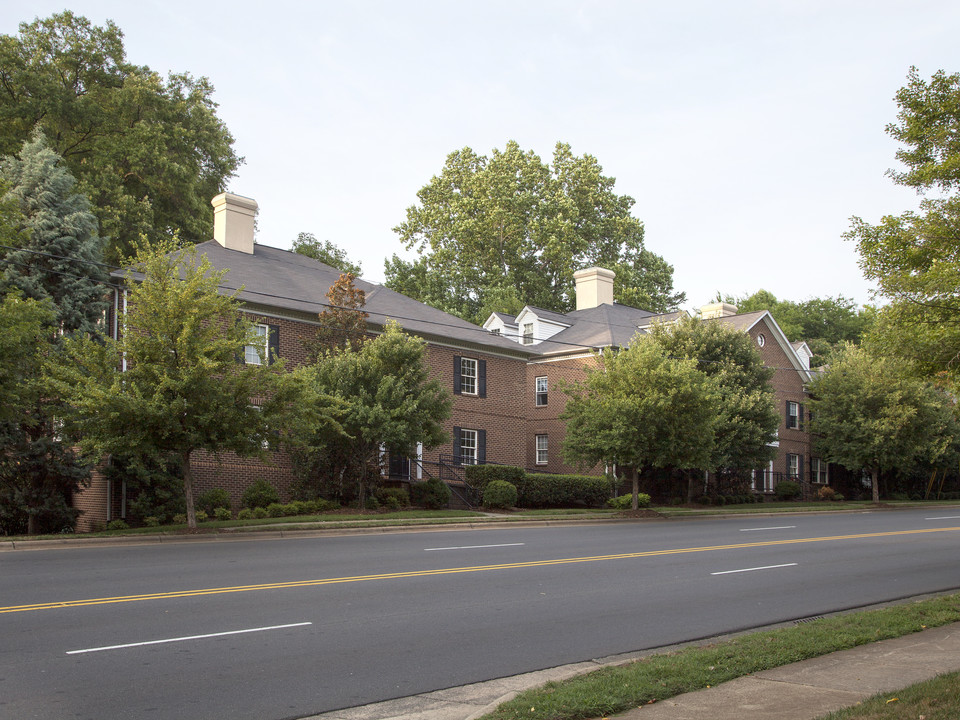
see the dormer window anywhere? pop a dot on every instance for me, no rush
(528, 333)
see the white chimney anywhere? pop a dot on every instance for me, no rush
(717, 310)
(594, 287)
(233, 218)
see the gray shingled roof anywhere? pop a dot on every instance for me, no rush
(275, 278)
(602, 326)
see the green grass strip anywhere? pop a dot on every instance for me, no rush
(657, 677)
(936, 699)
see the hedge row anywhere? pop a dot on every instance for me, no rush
(540, 490)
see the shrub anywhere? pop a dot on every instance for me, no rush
(788, 490)
(209, 501)
(245, 514)
(479, 476)
(703, 500)
(179, 519)
(826, 493)
(201, 516)
(222, 513)
(151, 521)
(276, 510)
(541, 490)
(393, 498)
(625, 502)
(260, 494)
(500, 494)
(299, 507)
(837, 497)
(323, 505)
(117, 524)
(371, 503)
(432, 494)
(260, 513)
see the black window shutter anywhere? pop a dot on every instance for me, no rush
(787, 416)
(456, 387)
(273, 343)
(481, 378)
(800, 417)
(481, 446)
(800, 469)
(456, 446)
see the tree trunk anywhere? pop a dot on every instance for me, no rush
(635, 478)
(188, 490)
(876, 485)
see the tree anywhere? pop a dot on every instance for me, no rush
(327, 253)
(913, 257)
(58, 254)
(148, 152)
(386, 400)
(38, 472)
(512, 224)
(871, 413)
(642, 409)
(343, 325)
(183, 390)
(822, 323)
(746, 414)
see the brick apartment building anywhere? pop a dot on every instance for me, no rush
(504, 376)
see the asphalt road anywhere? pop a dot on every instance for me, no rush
(287, 628)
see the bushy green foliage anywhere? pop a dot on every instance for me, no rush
(625, 502)
(259, 494)
(222, 513)
(479, 476)
(117, 524)
(260, 513)
(542, 490)
(393, 498)
(212, 500)
(151, 521)
(202, 516)
(788, 490)
(154, 489)
(500, 494)
(432, 494)
(276, 510)
(180, 519)
(245, 514)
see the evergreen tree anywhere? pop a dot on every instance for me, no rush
(59, 252)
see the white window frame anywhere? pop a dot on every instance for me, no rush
(793, 466)
(793, 418)
(469, 375)
(820, 472)
(541, 389)
(254, 355)
(469, 442)
(542, 444)
(527, 333)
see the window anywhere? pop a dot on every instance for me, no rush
(495, 331)
(761, 340)
(469, 376)
(542, 443)
(794, 415)
(257, 354)
(819, 471)
(468, 447)
(528, 333)
(794, 465)
(541, 391)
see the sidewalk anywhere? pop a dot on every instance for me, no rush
(802, 691)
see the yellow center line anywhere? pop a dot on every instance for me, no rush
(452, 571)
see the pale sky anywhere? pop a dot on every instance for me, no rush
(747, 132)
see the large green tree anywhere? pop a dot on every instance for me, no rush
(57, 253)
(747, 418)
(511, 226)
(183, 389)
(149, 152)
(872, 413)
(386, 400)
(642, 409)
(913, 257)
